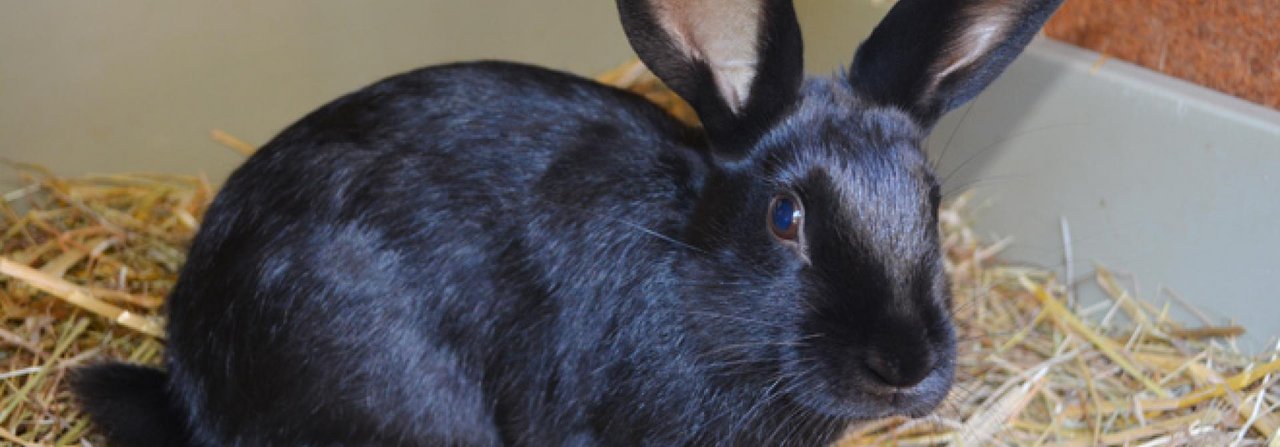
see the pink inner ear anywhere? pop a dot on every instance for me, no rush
(987, 25)
(722, 33)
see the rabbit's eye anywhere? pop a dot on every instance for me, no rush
(785, 217)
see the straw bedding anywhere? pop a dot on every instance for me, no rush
(86, 262)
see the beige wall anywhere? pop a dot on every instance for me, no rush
(129, 85)
(136, 85)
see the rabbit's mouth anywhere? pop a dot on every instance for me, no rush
(861, 398)
(915, 401)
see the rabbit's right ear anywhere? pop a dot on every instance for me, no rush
(737, 62)
(928, 57)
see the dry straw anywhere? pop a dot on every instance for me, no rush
(85, 264)
(84, 268)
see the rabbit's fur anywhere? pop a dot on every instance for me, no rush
(498, 254)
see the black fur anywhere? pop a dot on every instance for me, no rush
(130, 403)
(489, 254)
(895, 66)
(772, 91)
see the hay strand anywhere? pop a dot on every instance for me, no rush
(231, 142)
(78, 296)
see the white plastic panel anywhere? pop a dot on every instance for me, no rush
(1164, 179)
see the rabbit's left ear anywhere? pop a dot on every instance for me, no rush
(930, 56)
(737, 62)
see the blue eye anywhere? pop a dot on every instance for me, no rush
(785, 217)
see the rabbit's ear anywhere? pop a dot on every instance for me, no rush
(931, 56)
(737, 62)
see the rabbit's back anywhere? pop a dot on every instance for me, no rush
(369, 266)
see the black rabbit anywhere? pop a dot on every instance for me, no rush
(488, 253)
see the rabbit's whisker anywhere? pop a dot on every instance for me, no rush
(1005, 139)
(658, 235)
(964, 187)
(735, 318)
(955, 130)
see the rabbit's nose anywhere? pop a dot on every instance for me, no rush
(901, 363)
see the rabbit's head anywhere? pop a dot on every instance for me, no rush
(818, 275)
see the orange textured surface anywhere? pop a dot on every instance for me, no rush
(1228, 45)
